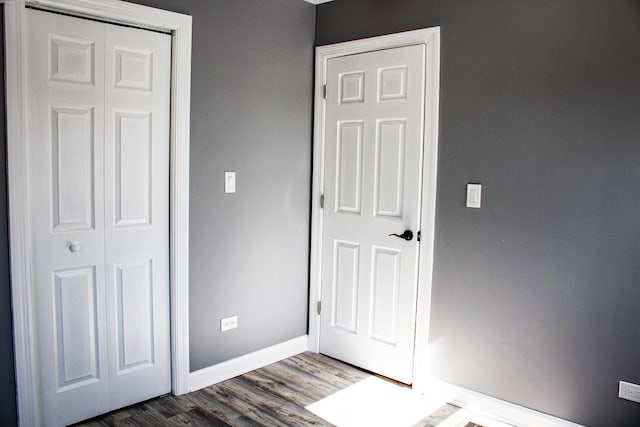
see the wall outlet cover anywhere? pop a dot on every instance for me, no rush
(629, 391)
(228, 323)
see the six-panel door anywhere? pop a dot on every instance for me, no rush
(373, 169)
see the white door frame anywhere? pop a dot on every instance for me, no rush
(26, 357)
(430, 37)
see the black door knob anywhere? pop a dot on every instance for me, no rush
(407, 235)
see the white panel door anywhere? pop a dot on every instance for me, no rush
(65, 134)
(98, 182)
(373, 170)
(137, 88)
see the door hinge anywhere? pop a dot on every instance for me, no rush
(419, 236)
(322, 201)
(324, 91)
(319, 307)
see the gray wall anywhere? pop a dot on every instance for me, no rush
(535, 296)
(251, 112)
(7, 376)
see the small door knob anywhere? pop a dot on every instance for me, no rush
(74, 247)
(407, 235)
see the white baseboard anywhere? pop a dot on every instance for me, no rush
(488, 406)
(247, 363)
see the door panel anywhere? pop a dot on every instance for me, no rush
(72, 59)
(373, 169)
(133, 68)
(345, 286)
(133, 168)
(73, 147)
(65, 134)
(134, 309)
(76, 328)
(137, 212)
(384, 295)
(98, 180)
(349, 167)
(389, 168)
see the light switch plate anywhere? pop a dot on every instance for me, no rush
(629, 391)
(229, 182)
(474, 196)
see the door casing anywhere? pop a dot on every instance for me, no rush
(430, 37)
(115, 11)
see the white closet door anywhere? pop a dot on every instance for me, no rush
(65, 145)
(137, 88)
(373, 168)
(98, 174)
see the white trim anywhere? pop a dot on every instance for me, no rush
(317, 1)
(491, 407)
(179, 187)
(117, 11)
(19, 232)
(430, 37)
(21, 256)
(428, 215)
(247, 363)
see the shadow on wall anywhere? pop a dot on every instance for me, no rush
(8, 411)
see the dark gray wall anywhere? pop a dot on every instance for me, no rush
(251, 112)
(535, 296)
(7, 375)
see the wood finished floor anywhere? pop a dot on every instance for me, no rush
(275, 395)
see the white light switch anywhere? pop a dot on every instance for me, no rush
(474, 195)
(229, 182)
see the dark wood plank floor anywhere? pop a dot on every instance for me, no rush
(275, 395)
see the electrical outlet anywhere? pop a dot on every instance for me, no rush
(629, 391)
(228, 323)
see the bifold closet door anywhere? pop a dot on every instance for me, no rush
(98, 146)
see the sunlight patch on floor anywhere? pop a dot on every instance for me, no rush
(375, 402)
(463, 417)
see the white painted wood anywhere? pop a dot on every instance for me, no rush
(19, 230)
(137, 95)
(179, 216)
(117, 11)
(20, 235)
(317, 1)
(430, 38)
(373, 169)
(428, 214)
(65, 146)
(247, 363)
(98, 144)
(491, 407)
